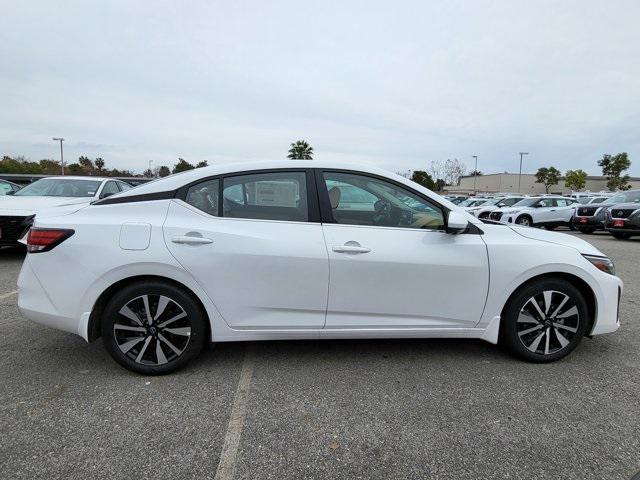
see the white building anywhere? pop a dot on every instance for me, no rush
(508, 182)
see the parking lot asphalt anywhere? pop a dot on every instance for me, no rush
(436, 409)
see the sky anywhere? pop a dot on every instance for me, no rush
(395, 84)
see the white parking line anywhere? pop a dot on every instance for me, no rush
(7, 295)
(227, 463)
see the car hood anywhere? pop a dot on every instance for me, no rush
(558, 239)
(625, 206)
(12, 205)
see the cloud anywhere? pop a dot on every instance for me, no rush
(396, 84)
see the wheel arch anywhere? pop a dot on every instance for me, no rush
(584, 288)
(93, 328)
(522, 215)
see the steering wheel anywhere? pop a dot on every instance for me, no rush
(382, 212)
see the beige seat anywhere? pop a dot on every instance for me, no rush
(334, 197)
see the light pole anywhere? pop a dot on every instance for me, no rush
(150, 171)
(475, 174)
(522, 154)
(58, 139)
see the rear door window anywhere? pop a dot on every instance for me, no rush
(266, 196)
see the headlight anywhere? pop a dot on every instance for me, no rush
(602, 263)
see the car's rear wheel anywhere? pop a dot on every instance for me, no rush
(153, 328)
(524, 220)
(545, 321)
(621, 235)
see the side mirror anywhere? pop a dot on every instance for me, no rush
(456, 223)
(106, 194)
(11, 192)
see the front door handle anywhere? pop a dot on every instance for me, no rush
(351, 247)
(188, 240)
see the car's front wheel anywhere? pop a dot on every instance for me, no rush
(545, 320)
(524, 220)
(153, 327)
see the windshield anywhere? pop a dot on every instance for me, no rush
(526, 202)
(627, 197)
(60, 187)
(494, 201)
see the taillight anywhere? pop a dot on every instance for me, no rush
(44, 239)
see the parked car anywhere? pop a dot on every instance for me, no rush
(591, 217)
(17, 210)
(457, 200)
(472, 202)
(8, 188)
(622, 219)
(243, 252)
(543, 211)
(484, 210)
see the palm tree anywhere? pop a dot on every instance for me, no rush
(300, 150)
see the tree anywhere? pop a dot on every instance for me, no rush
(548, 176)
(453, 170)
(182, 166)
(49, 167)
(148, 173)
(423, 178)
(203, 163)
(99, 163)
(86, 165)
(300, 150)
(612, 168)
(74, 169)
(164, 171)
(440, 184)
(575, 179)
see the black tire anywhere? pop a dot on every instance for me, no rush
(176, 334)
(521, 325)
(588, 231)
(524, 220)
(621, 235)
(550, 227)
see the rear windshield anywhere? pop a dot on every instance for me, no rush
(60, 187)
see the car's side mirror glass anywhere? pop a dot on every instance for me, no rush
(106, 194)
(457, 222)
(11, 192)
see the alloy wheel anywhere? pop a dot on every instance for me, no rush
(524, 221)
(548, 322)
(152, 330)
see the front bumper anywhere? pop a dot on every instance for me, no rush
(625, 225)
(607, 319)
(588, 222)
(13, 227)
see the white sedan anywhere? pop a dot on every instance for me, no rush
(18, 208)
(270, 250)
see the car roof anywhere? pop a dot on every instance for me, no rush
(76, 177)
(175, 181)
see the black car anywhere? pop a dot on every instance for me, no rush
(589, 218)
(622, 220)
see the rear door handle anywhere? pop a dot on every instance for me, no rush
(351, 249)
(188, 240)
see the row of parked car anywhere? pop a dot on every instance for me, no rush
(619, 214)
(18, 206)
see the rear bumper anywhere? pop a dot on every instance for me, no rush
(35, 304)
